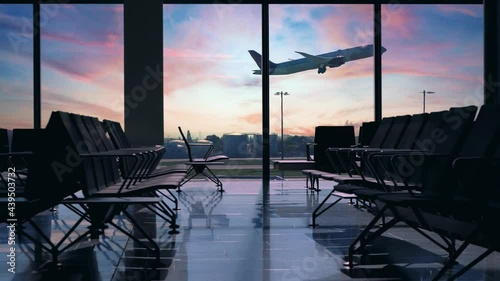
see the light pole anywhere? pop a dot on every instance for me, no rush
(281, 93)
(424, 92)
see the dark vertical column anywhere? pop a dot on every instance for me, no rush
(491, 56)
(143, 47)
(37, 84)
(377, 55)
(266, 172)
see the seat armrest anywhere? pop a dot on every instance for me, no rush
(19, 153)
(308, 150)
(209, 146)
(200, 144)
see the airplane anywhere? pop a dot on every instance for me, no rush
(320, 62)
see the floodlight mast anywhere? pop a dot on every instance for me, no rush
(281, 93)
(424, 92)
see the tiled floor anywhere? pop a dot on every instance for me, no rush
(241, 235)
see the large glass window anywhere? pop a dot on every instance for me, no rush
(336, 45)
(210, 90)
(82, 61)
(431, 48)
(16, 66)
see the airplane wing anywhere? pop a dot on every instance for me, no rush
(315, 59)
(323, 62)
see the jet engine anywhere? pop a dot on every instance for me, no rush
(321, 69)
(336, 62)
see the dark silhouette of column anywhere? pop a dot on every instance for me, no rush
(143, 48)
(377, 59)
(37, 80)
(266, 171)
(491, 56)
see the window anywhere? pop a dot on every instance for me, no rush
(82, 61)
(210, 90)
(343, 94)
(16, 71)
(436, 48)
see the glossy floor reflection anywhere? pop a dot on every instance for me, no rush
(240, 235)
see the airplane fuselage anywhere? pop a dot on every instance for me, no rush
(336, 59)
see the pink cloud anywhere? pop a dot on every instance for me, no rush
(15, 23)
(336, 30)
(430, 59)
(84, 68)
(398, 22)
(53, 102)
(299, 131)
(88, 55)
(84, 60)
(473, 11)
(194, 54)
(71, 7)
(252, 118)
(183, 74)
(11, 121)
(185, 67)
(112, 40)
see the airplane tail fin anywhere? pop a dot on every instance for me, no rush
(258, 59)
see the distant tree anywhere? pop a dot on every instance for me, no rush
(217, 143)
(296, 145)
(188, 136)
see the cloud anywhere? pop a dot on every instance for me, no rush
(299, 131)
(348, 26)
(84, 43)
(74, 102)
(252, 118)
(105, 40)
(398, 22)
(85, 67)
(12, 23)
(468, 10)
(200, 46)
(433, 59)
(207, 66)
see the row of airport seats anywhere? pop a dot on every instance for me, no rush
(74, 163)
(324, 137)
(391, 133)
(192, 168)
(196, 166)
(22, 140)
(403, 134)
(434, 172)
(334, 136)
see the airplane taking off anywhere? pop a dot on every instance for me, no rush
(320, 62)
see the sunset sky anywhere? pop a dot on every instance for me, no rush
(209, 85)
